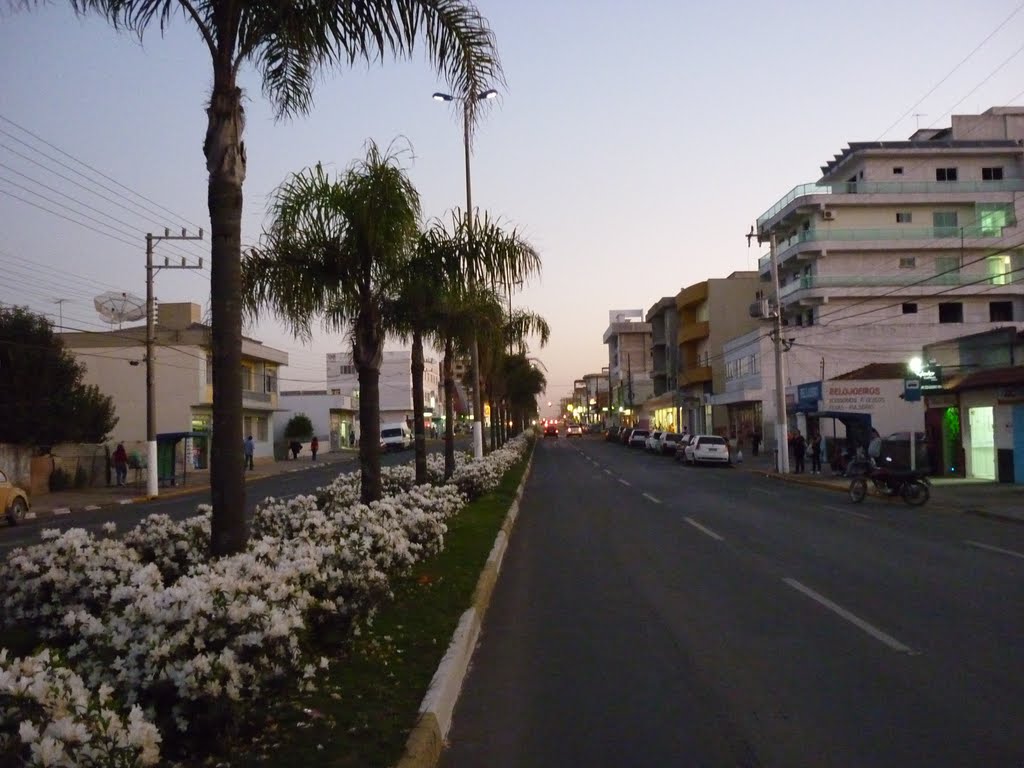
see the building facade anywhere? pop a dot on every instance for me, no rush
(335, 418)
(630, 361)
(395, 385)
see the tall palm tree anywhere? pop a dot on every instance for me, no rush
(288, 43)
(332, 253)
(519, 326)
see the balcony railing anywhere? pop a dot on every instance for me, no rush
(694, 331)
(891, 188)
(810, 282)
(256, 397)
(695, 375)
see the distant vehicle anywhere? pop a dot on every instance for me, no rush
(653, 443)
(611, 434)
(14, 501)
(709, 449)
(395, 437)
(638, 438)
(669, 441)
(551, 429)
(574, 430)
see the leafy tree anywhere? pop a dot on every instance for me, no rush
(42, 398)
(299, 426)
(333, 251)
(287, 43)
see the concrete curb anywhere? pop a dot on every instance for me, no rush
(426, 740)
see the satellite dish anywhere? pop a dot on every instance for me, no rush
(119, 306)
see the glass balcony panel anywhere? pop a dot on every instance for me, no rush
(809, 282)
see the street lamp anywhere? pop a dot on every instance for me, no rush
(478, 427)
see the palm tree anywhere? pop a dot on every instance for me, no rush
(518, 326)
(331, 253)
(287, 43)
(524, 382)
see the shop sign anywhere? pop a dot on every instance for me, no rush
(1010, 395)
(808, 397)
(858, 396)
(931, 378)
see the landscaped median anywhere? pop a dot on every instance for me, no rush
(313, 647)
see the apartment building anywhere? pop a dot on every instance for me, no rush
(899, 244)
(395, 385)
(630, 361)
(183, 363)
(707, 318)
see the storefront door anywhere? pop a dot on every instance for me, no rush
(983, 453)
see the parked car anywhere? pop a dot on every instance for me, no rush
(574, 430)
(14, 501)
(396, 437)
(611, 434)
(681, 444)
(653, 443)
(708, 449)
(669, 441)
(638, 438)
(551, 429)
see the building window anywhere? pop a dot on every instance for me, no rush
(908, 262)
(1000, 311)
(992, 174)
(999, 269)
(897, 171)
(247, 378)
(992, 217)
(270, 381)
(209, 370)
(910, 308)
(951, 312)
(945, 174)
(904, 217)
(945, 224)
(347, 370)
(810, 317)
(261, 428)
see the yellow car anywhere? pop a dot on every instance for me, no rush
(13, 500)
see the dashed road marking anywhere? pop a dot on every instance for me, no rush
(62, 511)
(92, 507)
(122, 502)
(762, 490)
(625, 482)
(607, 471)
(655, 499)
(858, 622)
(703, 529)
(848, 512)
(990, 548)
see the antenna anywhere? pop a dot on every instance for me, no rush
(917, 119)
(119, 306)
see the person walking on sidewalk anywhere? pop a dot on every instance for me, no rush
(120, 464)
(250, 450)
(816, 453)
(755, 441)
(799, 449)
(314, 446)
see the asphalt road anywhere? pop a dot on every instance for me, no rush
(650, 614)
(285, 485)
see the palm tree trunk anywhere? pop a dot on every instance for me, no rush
(225, 163)
(367, 351)
(449, 409)
(417, 408)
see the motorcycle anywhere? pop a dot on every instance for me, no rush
(911, 485)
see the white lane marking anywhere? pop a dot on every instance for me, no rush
(62, 511)
(1000, 550)
(625, 482)
(655, 499)
(607, 471)
(703, 529)
(122, 502)
(858, 622)
(92, 507)
(849, 512)
(762, 490)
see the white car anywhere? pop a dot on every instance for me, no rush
(707, 449)
(638, 438)
(669, 441)
(574, 430)
(653, 443)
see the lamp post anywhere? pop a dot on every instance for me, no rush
(478, 409)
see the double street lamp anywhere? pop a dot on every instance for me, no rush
(478, 427)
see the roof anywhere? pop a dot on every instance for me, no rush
(875, 371)
(991, 377)
(940, 141)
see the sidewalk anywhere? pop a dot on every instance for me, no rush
(986, 498)
(196, 481)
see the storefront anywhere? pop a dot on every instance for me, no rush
(991, 423)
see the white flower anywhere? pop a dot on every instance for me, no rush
(28, 732)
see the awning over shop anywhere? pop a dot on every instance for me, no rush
(738, 396)
(664, 400)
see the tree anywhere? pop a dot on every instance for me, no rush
(42, 398)
(299, 426)
(517, 327)
(332, 252)
(287, 43)
(523, 382)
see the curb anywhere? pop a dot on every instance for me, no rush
(426, 740)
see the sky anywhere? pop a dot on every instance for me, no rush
(633, 143)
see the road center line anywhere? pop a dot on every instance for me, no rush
(858, 622)
(762, 490)
(607, 471)
(849, 512)
(625, 482)
(655, 499)
(1000, 550)
(703, 529)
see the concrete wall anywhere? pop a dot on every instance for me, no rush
(16, 462)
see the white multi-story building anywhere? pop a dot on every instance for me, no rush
(898, 245)
(395, 384)
(630, 360)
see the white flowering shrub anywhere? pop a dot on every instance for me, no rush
(173, 545)
(49, 717)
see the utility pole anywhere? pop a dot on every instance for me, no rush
(60, 308)
(152, 487)
(781, 432)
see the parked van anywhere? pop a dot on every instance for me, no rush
(395, 437)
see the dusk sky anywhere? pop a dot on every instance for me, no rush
(634, 143)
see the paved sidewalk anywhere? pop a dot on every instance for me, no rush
(65, 502)
(987, 498)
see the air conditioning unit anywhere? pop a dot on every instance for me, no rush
(828, 215)
(762, 308)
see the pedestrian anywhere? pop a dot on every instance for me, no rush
(250, 450)
(799, 449)
(314, 446)
(295, 446)
(755, 441)
(121, 464)
(816, 453)
(351, 438)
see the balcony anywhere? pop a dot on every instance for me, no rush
(816, 285)
(694, 331)
(693, 295)
(950, 188)
(698, 374)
